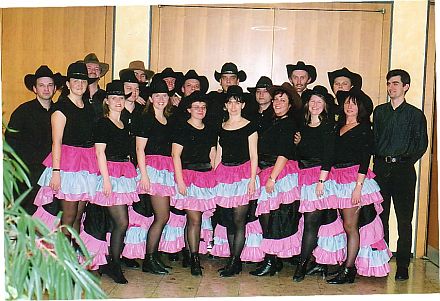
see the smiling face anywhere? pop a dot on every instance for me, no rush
(190, 86)
(316, 105)
(115, 103)
(94, 70)
(350, 108)
(159, 101)
(341, 83)
(77, 86)
(281, 104)
(395, 87)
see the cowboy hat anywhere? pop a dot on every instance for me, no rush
(263, 82)
(116, 87)
(192, 74)
(78, 70)
(310, 69)
(92, 58)
(230, 68)
(320, 91)
(294, 98)
(356, 79)
(138, 65)
(128, 76)
(43, 71)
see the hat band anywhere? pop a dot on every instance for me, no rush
(263, 86)
(78, 74)
(229, 72)
(120, 93)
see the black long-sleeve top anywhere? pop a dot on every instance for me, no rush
(277, 140)
(400, 132)
(31, 132)
(317, 144)
(158, 134)
(354, 146)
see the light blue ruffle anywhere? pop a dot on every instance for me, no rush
(334, 243)
(376, 258)
(135, 235)
(163, 177)
(72, 182)
(220, 241)
(206, 224)
(119, 185)
(345, 190)
(308, 192)
(197, 192)
(253, 240)
(286, 184)
(235, 189)
(172, 233)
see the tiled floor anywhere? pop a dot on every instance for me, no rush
(424, 278)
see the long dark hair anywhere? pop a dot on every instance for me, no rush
(362, 116)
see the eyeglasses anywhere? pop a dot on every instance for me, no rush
(197, 108)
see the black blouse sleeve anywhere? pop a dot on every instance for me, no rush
(179, 136)
(328, 143)
(285, 144)
(366, 141)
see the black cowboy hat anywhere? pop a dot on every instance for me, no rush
(92, 58)
(138, 65)
(128, 76)
(356, 79)
(234, 91)
(359, 95)
(294, 98)
(310, 69)
(194, 97)
(169, 72)
(116, 87)
(230, 68)
(263, 82)
(43, 71)
(158, 85)
(78, 70)
(192, 74)
(320, 91)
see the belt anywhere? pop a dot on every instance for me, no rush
(344, 165)
(233, 163)
(116, 158)
(393, 159)
(311, 162)
(197, 166)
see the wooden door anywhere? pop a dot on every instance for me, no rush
(50, 36)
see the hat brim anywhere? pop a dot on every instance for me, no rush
(356, 79)
(30, 80)
(204, 84)
(148, 73)
(103, 66)
(241, 75)
(311, 71)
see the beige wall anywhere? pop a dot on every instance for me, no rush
(132, 36)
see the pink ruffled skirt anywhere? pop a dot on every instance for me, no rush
(160, 171)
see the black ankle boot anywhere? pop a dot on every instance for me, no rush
(158, 258)
(345, 275)
(130, 263)
(196, 269)
(186, 260)
(232, 268)
(267, 268)
(279, 264)
(150, 265)
(316, 268)
(114, 271)
(300, 271)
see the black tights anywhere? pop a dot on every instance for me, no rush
(119, 216)
(161, 209)
(72, 214)
(351, 227)
(312, 222)
(236, 238)
(192, 230)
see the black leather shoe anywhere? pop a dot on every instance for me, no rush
(346, 275)
(401, 274)
(158, 258)
(267, 268)
(315, 268)
(114, 271)
(196, 269)
(130, 263)
(186, 258)
(150, 265)
(173, 257)
(233, 267)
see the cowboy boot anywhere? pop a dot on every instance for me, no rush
(267, 268)
(186, 260)
(316, 268)
(345, 275)
(233, 267)
(300, 271)
(158, 258)
(150, 265)
(196, 269)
